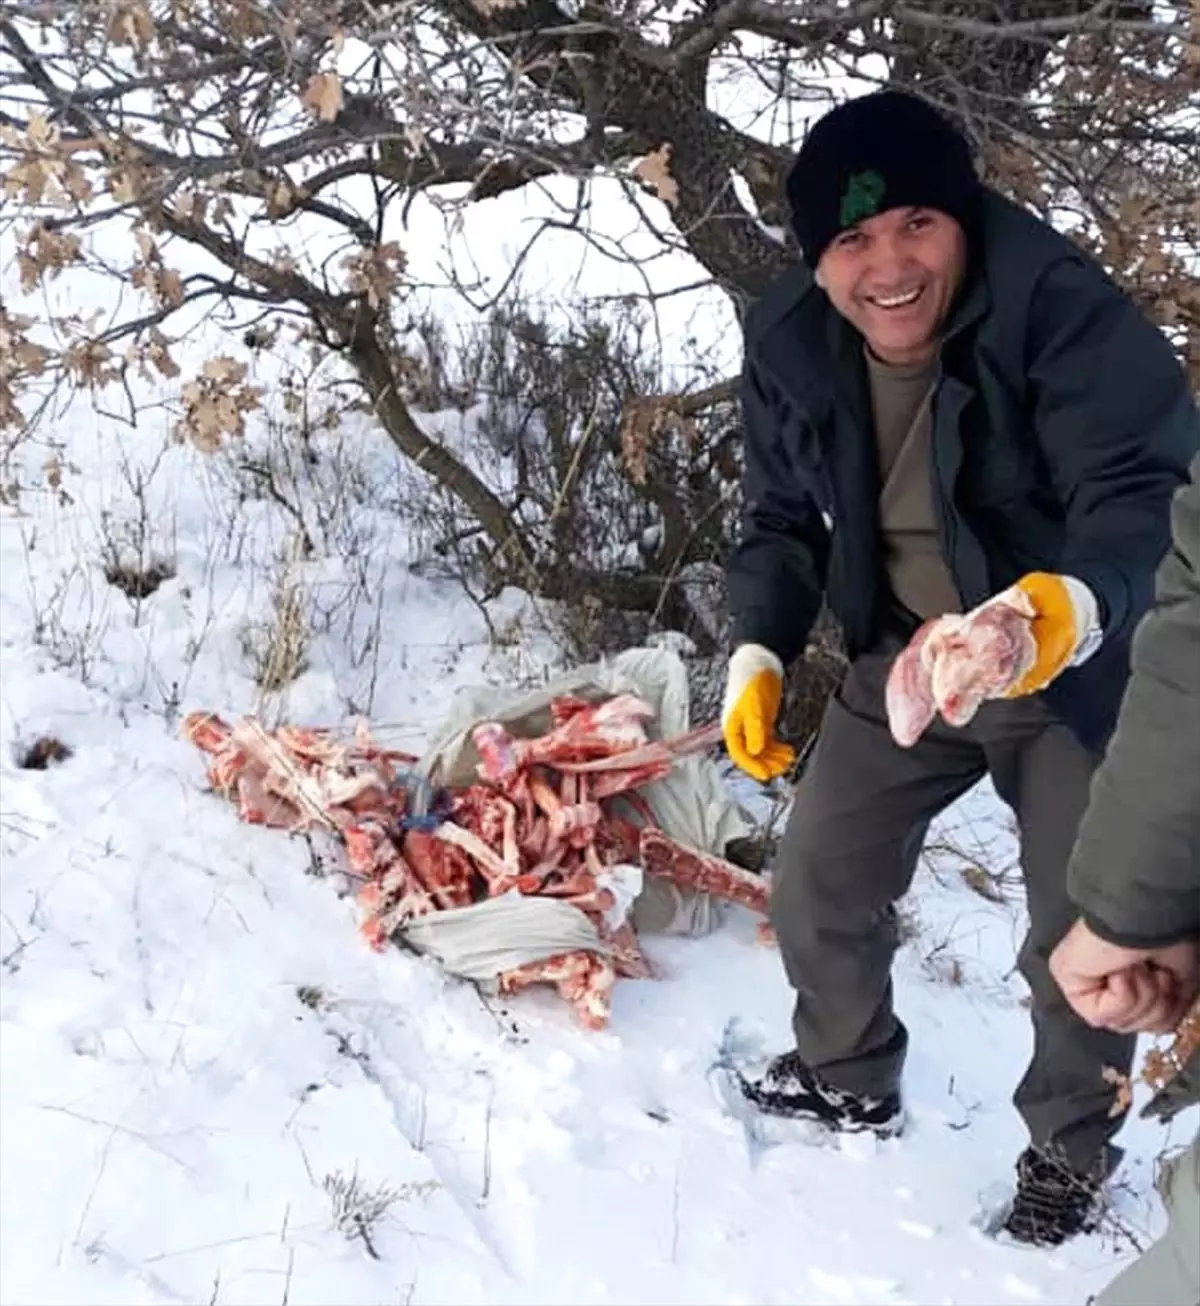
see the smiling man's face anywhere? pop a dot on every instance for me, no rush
(894, 277)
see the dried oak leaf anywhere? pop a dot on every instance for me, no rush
(126, 182)
(46, 254)
(91, 363)
(375, 273)
(131, 24)
(42, 172)
(1161, 1065)
(654, 170)
(164, 284)
(20, 359)
(17, 353)
(40, 133)
(154, 352)
(645, 420)
(28, 180)
(1124, 1086)
(216, 403)
(323, 95)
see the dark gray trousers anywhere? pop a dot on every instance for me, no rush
(850, 850)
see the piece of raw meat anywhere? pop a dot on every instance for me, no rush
(909, 693)
(705, 872)
(584, 979)
(989, 652)
(582, 734)
(954, 663)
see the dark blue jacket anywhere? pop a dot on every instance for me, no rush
(1062, 425)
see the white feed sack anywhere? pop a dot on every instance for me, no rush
(690, 804)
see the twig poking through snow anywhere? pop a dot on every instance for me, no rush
(91, 1197)
(357, 1209)
(675, 1217)
(287, 1283)
(11, 961)
(487, 1145)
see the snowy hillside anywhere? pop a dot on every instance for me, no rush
(212, 1091)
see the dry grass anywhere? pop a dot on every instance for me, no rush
(137, 549)
(70, 622)
(972, 856)
(278, 647)
(358, 1208)
(942, 966)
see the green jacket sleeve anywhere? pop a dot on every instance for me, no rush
(1135, 870)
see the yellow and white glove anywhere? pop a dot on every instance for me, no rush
(753, 692)
(1065, 627)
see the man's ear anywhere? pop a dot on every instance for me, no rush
(818, 278)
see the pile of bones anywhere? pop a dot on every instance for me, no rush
(541, 818)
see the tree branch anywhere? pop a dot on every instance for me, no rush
(647, 96)
(800, 23)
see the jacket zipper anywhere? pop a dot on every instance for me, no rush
(949, 527)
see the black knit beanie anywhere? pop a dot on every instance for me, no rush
(881, 151)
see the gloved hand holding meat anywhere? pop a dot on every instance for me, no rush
(1014, 644)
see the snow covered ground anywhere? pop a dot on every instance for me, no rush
(199, 1055)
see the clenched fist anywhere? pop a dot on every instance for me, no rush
(1130, 990)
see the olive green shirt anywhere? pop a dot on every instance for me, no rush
(901, 405)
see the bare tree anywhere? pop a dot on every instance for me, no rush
(269, 147)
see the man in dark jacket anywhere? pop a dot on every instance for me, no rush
(945, 400)
(1131, 963)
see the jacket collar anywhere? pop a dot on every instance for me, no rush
(974, 302)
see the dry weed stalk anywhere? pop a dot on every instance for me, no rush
(278, 648)
(358, 1208)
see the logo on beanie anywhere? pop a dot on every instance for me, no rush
(861, 198)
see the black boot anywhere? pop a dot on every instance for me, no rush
(789, 1088)
(1052, 1201)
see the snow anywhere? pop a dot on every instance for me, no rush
(196, 1045)
(172, 1106)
